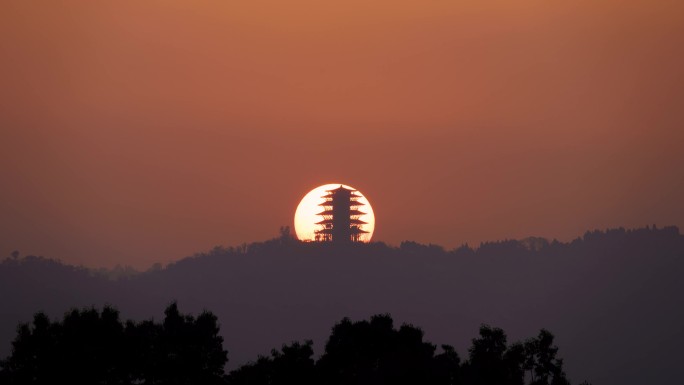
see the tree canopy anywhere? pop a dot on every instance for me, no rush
(95, 347)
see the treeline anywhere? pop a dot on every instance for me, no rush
(651, 239)
(96, 347)
(624, 285)
(93, 347)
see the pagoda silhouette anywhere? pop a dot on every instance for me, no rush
(341, 223)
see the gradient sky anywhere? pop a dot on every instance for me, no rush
(134, 132)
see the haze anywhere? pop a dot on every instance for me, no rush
(141, 132)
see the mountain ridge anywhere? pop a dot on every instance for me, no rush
(624, 284)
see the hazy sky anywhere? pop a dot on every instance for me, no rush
(136, 132)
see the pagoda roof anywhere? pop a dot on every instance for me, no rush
(352, 221)
(351, 203)
(349, 193)
(356, 230)
(353, 230)
(341, 188)
(351, 212)
(332, 195)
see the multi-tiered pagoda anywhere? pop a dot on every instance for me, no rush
(341, 215)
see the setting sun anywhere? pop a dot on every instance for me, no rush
(307, 217)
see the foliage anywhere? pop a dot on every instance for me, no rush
(95, 347)
(293, 364)
(92, 347)
(533, 362)
(374, 352)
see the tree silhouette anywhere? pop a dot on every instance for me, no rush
(620, 280)
(190, 349)
(85, 348)
(92, 347)
(514, 363)
(541, 361)
(486, 365)
(293, 364)
(491, 361)
(446, 367)
(375, 353)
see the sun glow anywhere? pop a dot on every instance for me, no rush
(306, 215)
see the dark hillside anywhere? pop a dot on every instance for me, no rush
(624, 287)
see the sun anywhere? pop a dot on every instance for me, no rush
(306, 217)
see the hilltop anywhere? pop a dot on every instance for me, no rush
(624, 286)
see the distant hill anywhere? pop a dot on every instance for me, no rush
(613, 298)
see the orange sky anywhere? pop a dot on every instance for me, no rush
(136, 132)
